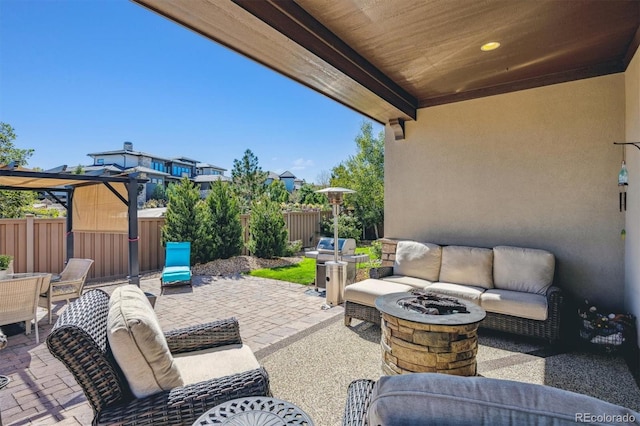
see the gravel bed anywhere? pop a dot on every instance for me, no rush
(242, 264)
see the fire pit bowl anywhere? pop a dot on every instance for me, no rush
(426, 302)
(428, 332)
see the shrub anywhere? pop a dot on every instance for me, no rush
(5, 259)
(268, 233)
(222, 223)
(348, 227)
(376, 250)
(294, 247)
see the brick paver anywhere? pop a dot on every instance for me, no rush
(43, 392)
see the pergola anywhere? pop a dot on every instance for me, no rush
(93, 203)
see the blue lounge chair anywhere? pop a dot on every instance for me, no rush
(177, 268)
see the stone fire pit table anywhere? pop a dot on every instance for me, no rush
(414, 342)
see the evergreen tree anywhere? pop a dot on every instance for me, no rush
(183, 217)
(223, 224)
(277, 192)
(248, 179)
(268, 235)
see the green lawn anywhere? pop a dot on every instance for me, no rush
(304, 272)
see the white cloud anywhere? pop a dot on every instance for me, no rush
(301, 164)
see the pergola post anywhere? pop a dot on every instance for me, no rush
(69, 223)
(134, 265)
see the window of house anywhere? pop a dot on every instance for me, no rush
(100, 161)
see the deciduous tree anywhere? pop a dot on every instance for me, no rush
(13, 203)
(364, 173)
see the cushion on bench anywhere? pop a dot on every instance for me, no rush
(412, 281)
(467, 292)
(467, 265)
(522, 269)
(420, 260)
(516, 303)
(365, 292)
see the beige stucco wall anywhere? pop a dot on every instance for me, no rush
(535, 168)
(632, 243)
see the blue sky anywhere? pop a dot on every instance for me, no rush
(85, 76)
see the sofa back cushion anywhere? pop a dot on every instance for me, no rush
(442, 399)
(522, 269)
(420, 260)
(467, 265)
(138, 343)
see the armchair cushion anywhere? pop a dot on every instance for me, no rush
(217, 362)
(138, 343)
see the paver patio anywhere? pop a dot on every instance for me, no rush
(42, 391)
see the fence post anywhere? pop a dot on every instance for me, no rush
(30, 242)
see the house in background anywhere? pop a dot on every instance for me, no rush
(291, 182)
(159, 170)
(207, 174)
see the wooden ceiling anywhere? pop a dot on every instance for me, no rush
(387, 58)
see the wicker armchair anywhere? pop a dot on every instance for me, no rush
(69, 286)
(548, 329)
(79, 340)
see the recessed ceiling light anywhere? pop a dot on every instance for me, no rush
(492, 45)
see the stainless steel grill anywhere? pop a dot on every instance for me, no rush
(324, 253)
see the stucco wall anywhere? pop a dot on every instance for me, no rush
(534, 168)
(632, 243)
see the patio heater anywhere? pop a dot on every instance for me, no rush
(336, 270)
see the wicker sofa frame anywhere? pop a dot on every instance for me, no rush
(79, 340)
(548, 329)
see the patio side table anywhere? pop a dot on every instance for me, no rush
(255, 411)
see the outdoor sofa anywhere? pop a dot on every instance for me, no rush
(442, 399)
(512, 284)
(132, 373)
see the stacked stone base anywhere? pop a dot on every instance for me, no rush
(411, 347)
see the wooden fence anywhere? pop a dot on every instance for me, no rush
(39, 245)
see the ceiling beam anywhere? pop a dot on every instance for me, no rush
(294, 22)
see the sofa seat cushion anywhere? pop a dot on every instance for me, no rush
(365, 292)
(420, 260)
(412, 281)
(515, 303)
(217, 362)
(466, 292)
(138, 343)
(176, 273)
(467, 265)
(522, 269)
(442, 399)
